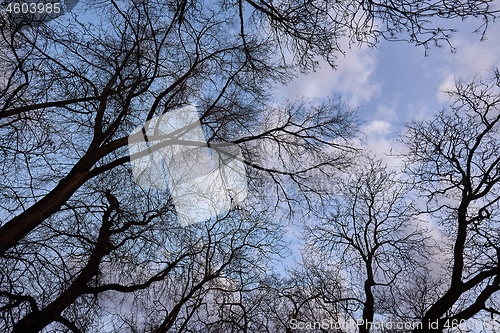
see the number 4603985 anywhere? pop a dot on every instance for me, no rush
(33, 8)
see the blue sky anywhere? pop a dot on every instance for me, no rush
(396, 82)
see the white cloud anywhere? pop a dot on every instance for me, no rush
(448, 84)
(379, 139)
(377, 127)
(472, 57)
(353, 79)
(387, 111)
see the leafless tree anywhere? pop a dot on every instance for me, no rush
(371, 231)
(454, 159)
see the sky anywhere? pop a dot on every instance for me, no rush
(396, 82)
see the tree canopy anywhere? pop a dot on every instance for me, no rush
(83, 248)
